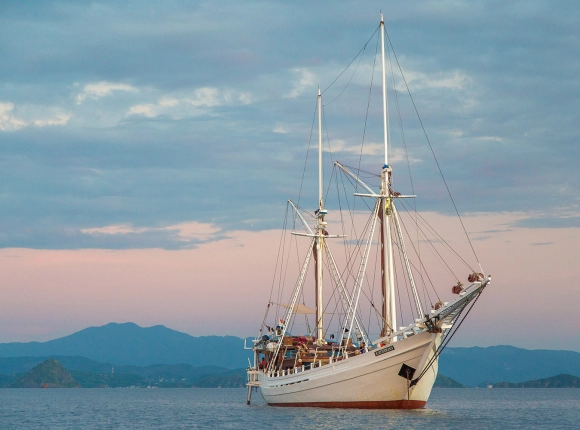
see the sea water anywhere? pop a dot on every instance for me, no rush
(213, 408)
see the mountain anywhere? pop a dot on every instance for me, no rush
(98, 349)
(558, 381)
(443, 381)
(473, 366)
(129, 344)
(48, 374)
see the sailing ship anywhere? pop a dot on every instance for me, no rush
(337, 363)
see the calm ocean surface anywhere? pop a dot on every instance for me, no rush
(226, 408)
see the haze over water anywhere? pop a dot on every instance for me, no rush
(226, 409)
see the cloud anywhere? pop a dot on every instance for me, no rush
(281, 128)
(180, 107)
(451, 80)
(492, 138)
(369, 148)
(39, 117)
(177, 236)
(184, 235)
(60, 119)
(114, 229)
(304, 81)
(192, 103)
(549, 221)
(149, 110)
(97, 90)
(8, 121)
(372, 148)
(208, 97)
(168, 102)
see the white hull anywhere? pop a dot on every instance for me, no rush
(368, 380)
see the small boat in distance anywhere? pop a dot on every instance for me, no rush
(339, 361)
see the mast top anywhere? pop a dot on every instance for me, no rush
(385, 104)
(320, 171)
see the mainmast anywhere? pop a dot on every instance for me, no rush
(320, 234)
(389, 311)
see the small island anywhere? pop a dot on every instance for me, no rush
(558, 381)
(51, 373)
(443, 381)
(48, 374)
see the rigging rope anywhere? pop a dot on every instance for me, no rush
(280, 249)
(433, 231)
(418, 249)
(349, 267)
(432, 151)
(446, 340)
(352, 61)
(367, 112)
(348, 83)
(307, 152)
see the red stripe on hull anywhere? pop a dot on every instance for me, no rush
(393, 404)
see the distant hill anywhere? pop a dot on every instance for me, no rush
(12, 365)
(443, 381)
(474, 366)
(233, 379)
(51, 373)
(7, 380)
(129, 344)
(558, 381)
(91, 374)
(102, 380)
(135, 350)
(48, 374)
(172, 372)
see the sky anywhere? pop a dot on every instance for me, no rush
(147, 151)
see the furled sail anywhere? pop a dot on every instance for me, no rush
(299, 309)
